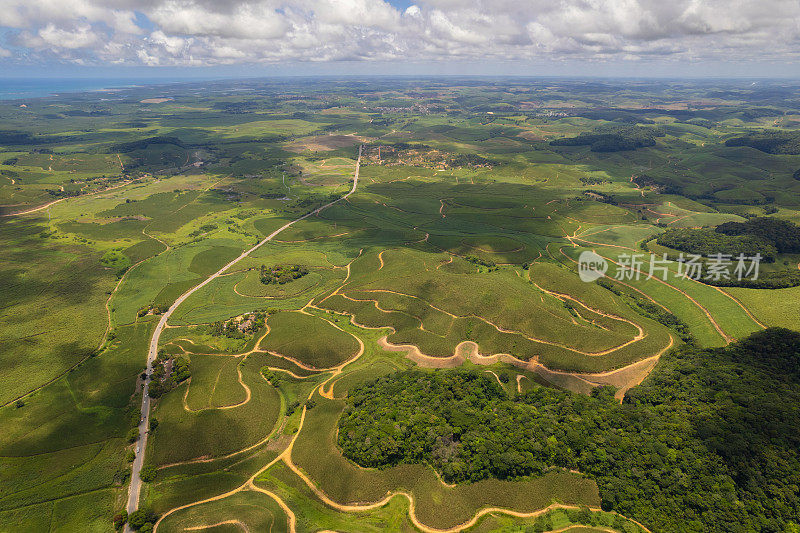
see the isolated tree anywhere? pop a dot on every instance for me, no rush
(148, 474)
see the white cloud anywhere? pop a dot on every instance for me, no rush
(27, 14)
(52, 37)
(172, 45)
(191, 32)
(254, 20)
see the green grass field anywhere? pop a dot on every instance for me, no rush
(436, 504)
(465, 226)
(308, 339)
(183, 434)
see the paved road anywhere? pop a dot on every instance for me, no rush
(141, 444)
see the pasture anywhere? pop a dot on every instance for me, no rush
(458, 250)
(308, 339)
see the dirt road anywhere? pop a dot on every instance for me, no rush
(54, 202)
(141, 444)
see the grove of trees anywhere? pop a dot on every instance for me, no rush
(710, 441)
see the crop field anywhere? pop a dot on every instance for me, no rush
(436, 504)
(779, 307)
(48, 292)
(368, 228)
(310, 340)
(218, 418)
(250, 510)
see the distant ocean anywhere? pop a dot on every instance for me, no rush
(16, 88)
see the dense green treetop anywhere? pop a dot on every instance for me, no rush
(710, 442)
(782, 234)
(771, 142)
(707, 242)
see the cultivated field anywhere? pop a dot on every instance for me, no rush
(439, 237)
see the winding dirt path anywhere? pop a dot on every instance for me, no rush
(248, 393)
(238, 523)
(520, 377)
(205, 459)
(727, 338)
(250, 483)
(54, 202)
(495, 377)
(440, 265)
(639, 336)
(623, 378)
(286, 457)
(740, 304)
(136, 482)
(338, 369)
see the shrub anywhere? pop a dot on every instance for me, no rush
(133, 434)
(138, 519)
(291, 408)
(148, 473)
(119, 519)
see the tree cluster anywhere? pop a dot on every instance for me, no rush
(651, 310)
(16, 137)
(594, 180)
(469, 161)
(710, 441)
(770, 142)
(780, 279)
(154, 309)
(142, 520)
(281, 274)
(782, 234)
(488, 263)
(143, 144)
(705, 242)
(239, 328)
(225, 328)
(623, 116)
(160, 382)
(613, 139)
(205, 228)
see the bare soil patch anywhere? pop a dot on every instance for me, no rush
(323, 143)
(154, 100)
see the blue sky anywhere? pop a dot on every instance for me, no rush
(220, 38)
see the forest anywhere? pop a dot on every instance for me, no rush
(706, 242)
(787, 143)
(613, 139)
(782, 234)
(767, 236)
(709, 442)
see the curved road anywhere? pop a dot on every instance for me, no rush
(49, 204)
(141, 444)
